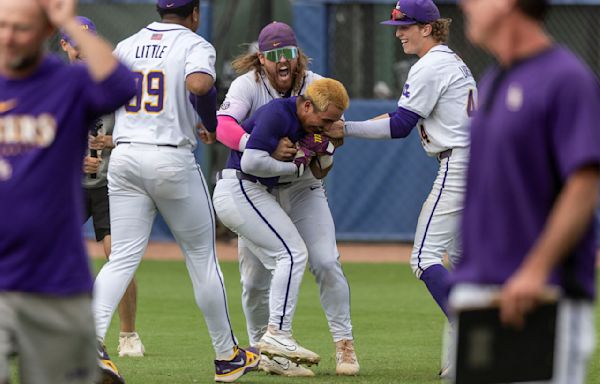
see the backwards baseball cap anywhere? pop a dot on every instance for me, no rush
(409, 12)
(84, 23)
(168, 4)
(276, 35)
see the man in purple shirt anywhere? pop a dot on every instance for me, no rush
(46, 108)
(533, 176)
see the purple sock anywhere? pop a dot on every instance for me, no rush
(436, 280)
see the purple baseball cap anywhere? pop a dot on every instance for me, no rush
(85, 24)
(409, 12)
(276, 35)
(167, 4)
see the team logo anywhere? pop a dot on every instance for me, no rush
(6, 106)
(514, 97)
(405, 92)
(225, 105)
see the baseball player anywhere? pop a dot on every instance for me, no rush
(438, 97)
(46, 109)
(279, 70)
(153, 169)
(95, 197)
(532, 186)
(244, 203)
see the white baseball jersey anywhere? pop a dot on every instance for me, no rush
(161, 106)
(245, 95)
(442, 91)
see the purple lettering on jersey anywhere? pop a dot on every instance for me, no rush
(405, 92)
(536, 125)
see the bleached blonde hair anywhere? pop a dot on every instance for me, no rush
(325, 91)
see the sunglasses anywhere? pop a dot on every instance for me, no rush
(275, 55)
(398, 15)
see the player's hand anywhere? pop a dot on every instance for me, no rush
(337, 142)
(205, 136)
(335, 130)
(91, 164)
(285, 151)
(302, 160)
(318, 144)
(60, 12)
(521, 294)
(97, 142)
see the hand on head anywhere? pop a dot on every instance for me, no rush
(59, 12)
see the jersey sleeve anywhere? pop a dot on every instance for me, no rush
(108, 95)
(238, 102)
(268, 129)
(574, 118)
(201, 58)
(422, 90)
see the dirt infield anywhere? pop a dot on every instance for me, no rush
(227, 251)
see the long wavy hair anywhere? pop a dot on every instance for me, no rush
(249, 61)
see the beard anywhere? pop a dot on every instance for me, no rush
(25, 62)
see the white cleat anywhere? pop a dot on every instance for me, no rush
(130, 345)
(283, 367)
(346, 363)
(278, 343)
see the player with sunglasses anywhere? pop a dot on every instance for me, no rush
(280, 70)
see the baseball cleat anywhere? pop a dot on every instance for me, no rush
(109, 372)
(278, 343)
(242, 362)
(283, 367)
(346, 363)
(130, 345)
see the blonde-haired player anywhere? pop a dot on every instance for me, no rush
(247, 200)
(278, 71)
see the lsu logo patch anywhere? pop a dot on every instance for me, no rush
(405, 91)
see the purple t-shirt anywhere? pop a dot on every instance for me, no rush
(44, 121)
(537, 123)
(270, 123)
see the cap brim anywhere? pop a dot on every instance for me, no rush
(398, 22)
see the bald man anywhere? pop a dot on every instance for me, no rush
(46, 107)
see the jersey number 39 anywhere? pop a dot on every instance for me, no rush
(150, 93)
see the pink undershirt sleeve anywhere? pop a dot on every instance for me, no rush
(229, 132)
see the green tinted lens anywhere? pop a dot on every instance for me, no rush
(275, 55)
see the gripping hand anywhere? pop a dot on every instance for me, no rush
(317, 144)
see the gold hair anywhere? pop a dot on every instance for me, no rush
(440, 30)
(249, 61)
(325, 91)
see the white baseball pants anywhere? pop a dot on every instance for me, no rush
(141, 180)
(306, 204)
(248, 209)
(437, 230)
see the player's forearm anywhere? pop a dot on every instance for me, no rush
(100, 59)
(206, 107)
(568, 220)
(369, 129)
(260, 163)
(231, 134)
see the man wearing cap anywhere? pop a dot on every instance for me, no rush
(46, 109)
(95, 197)
(532, 185)
(280, 70)
(438, 97)
(153, 169)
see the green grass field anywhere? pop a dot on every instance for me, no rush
(397, 328)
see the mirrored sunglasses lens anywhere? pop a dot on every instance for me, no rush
(276, 54)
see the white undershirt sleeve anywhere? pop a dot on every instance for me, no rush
(260, 163)
(369, 129)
